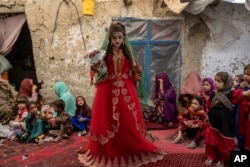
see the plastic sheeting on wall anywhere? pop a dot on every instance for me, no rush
(156, 44)
(224, 33)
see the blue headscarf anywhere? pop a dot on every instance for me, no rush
(64, 93)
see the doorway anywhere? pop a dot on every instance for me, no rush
(22, 59)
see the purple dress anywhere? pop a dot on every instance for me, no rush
(166, 98)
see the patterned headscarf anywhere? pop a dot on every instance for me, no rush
(220, 95)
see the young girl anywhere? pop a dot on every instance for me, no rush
(18, 124)
(191, 86)
(208, 87)
(219, 133)
(244, 111)
(117, 129)
(62, 121)
(237, 80)
(165, 99)
(192, 120)
(82, 116)
(36, 126)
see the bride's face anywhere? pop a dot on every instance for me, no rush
(117, 39)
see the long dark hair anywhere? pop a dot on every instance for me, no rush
(84, 110)
(117, 27)
(199, 99)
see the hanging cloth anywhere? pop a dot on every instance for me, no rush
(10, 29)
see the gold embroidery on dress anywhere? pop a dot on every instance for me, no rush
(118, 59)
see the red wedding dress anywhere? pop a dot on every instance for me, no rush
(117, 130)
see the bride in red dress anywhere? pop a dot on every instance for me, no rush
(117, 130)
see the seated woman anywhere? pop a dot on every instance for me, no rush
(8, 103)
(165, 100)
(29, 91)
(192, 120)
(36, 126)
(63, 92)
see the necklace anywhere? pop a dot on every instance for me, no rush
(118, 61)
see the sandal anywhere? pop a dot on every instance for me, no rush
(192, 145)
(178, 140)
(209, 162)
(220, 164)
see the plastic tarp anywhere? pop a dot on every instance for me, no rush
(156, 44)
(223, 31)
(10, 29)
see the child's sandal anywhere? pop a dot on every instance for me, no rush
(178, 140)
(209, 162)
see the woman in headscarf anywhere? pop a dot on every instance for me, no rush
(29, 91)
(62, 91)
(165, 99)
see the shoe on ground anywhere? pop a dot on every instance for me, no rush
(84, 132)
(209, 162)
(192, 145)
(220, 164)
(178, 140)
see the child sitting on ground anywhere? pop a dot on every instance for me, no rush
(82, 116)
(36, 126)
(62, 122)
(192, 120)
(18, 124)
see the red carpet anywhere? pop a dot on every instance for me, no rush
(63, 154)
(50, 154)
(180, 160)
(157, 126)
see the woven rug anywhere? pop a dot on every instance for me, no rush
(157, 126)
(180, 160)
(61, 154)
